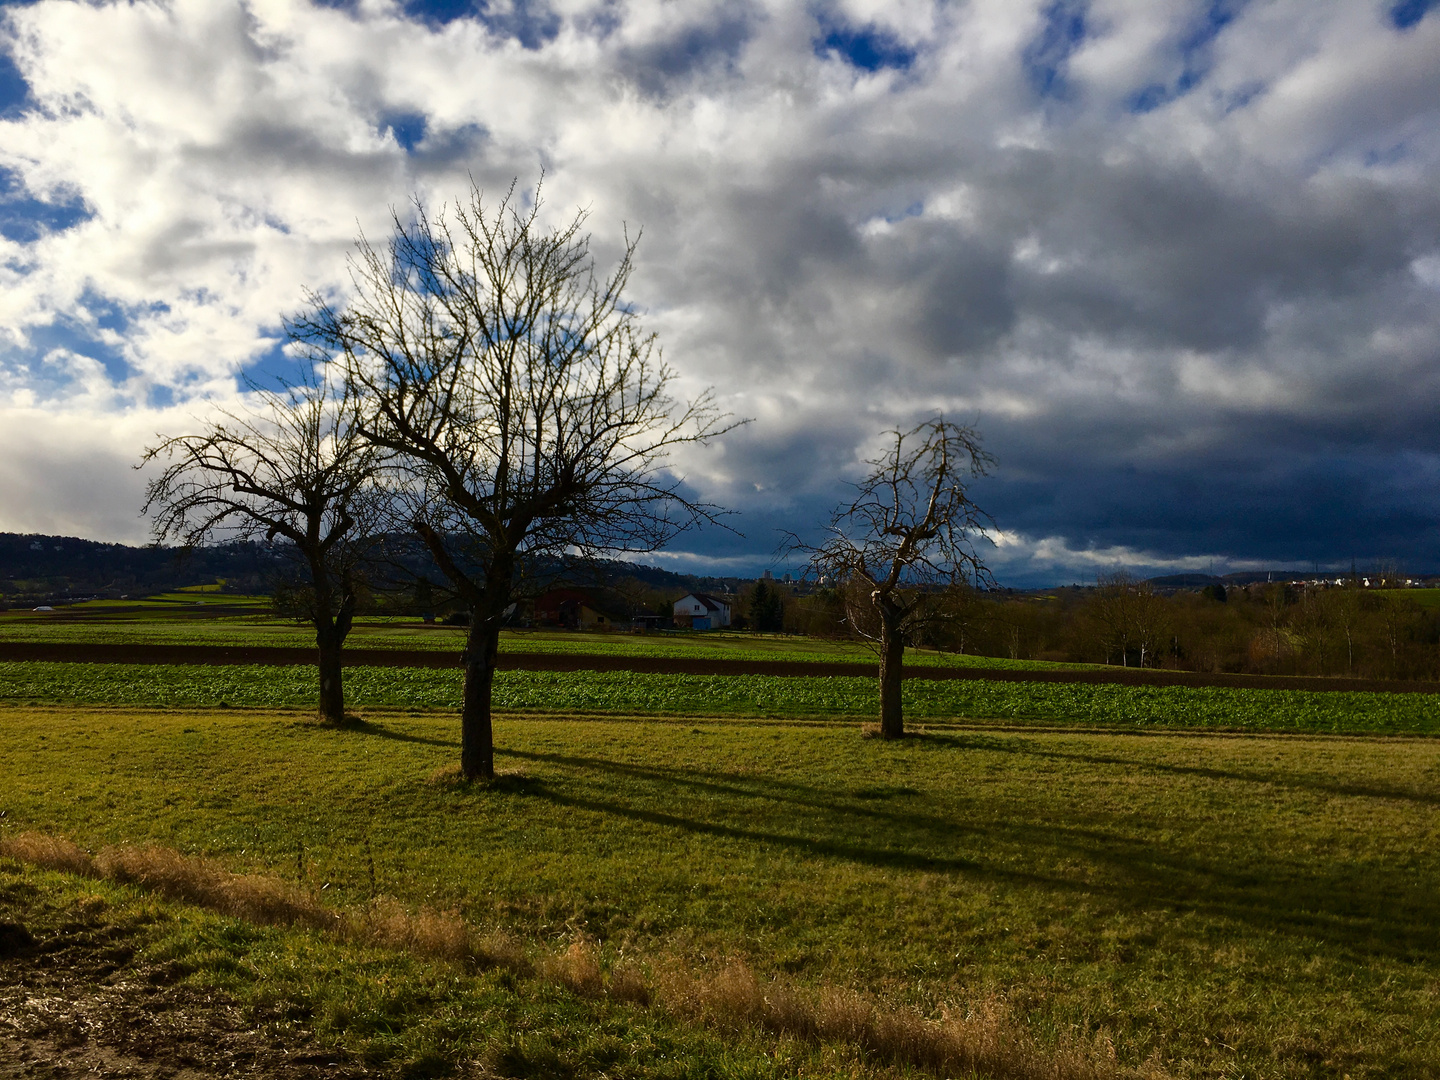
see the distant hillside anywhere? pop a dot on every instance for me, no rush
(35, 568)
(57, 567)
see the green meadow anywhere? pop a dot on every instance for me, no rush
(1212, 905)
(187, 623)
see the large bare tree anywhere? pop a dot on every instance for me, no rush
(295, 467)
(907, 536)
(529, 416)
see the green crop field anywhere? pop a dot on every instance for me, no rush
(632, 693)
(1217, 906)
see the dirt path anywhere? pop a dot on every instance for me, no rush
(76, 1002)
(237, 654)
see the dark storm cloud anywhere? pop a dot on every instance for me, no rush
(1171, 255)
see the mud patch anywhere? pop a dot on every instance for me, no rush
(76, 1000)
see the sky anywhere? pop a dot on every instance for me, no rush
(1177, 261)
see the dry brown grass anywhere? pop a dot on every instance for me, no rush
(434, 933)
(985, 1039)
(269, 900)
(628, 983)
(258, 898)
(577, 968)
(439, 934)
(51, 852)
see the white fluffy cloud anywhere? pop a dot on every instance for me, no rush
(1179, 267)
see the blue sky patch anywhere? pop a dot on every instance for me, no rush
(1046, 57)
(1407, 13)
(14, 90)
(868, 48)
(532, 24)
(1390, 155)
(1196, 57)
(75, 337)
(24, 219)
(408, 129)
(273, 368)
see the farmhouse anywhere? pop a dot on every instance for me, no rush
(576, 609)
(701, 611)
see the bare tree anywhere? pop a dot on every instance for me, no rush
(1130, 617)
(908, 534)
(294, 467)
(528, 414)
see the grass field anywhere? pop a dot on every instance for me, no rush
(1425, 598)
(169, 627)
(1228, 906)
(1062, 704)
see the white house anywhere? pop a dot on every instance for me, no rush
(700, 611)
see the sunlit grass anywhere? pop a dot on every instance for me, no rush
(1258, 906)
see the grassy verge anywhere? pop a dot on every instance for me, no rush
(631, 693)
(1229, 907)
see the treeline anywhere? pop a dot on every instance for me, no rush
(1378, 632)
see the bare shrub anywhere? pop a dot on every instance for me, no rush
(51, 852)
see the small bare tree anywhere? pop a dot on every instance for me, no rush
(294, 467)
(528, 416)
(1130, 617)
(909, 533)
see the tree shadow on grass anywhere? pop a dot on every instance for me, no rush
(1272, 777)
(1361, 910)
(369, 727)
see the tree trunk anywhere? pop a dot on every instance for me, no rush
(892, 658)
(477, 744)
(330, 635)
(332, 685)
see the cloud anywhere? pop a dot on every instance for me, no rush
(1177, 260)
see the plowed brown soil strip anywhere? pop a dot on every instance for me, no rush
(74, 652)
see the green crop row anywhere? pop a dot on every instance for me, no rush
(737, 695)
